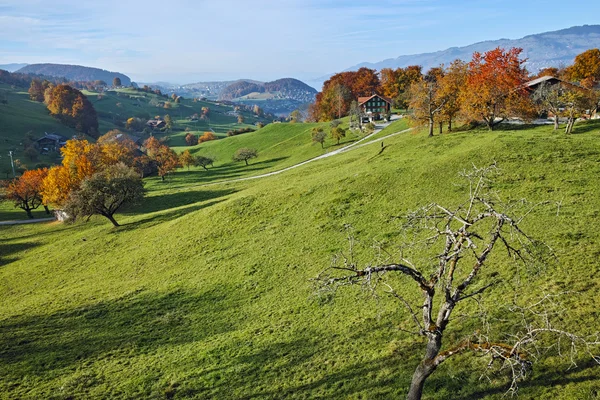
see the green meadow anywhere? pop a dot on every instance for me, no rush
(206, 291)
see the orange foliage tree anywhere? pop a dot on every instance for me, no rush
(81, 160)
(494, 87)
(72, 108)
(26, 191)
(340, 90)
(586, 69)
(166, 159)
(395, 83)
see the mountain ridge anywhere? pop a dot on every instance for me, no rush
(537, 48)
(75, 72)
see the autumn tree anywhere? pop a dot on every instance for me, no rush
(424, 100)
(116, 82)
(206, 137)
(165, 158)
(36, 90)
(586, 68)
(295, 116)
(449, 257)
(396, 83)
(186, 159)
(135, 124)
(337, 133)
(191, 139)
(340, 90)
(245, 154)
(240, 119)
(105, 192)
(448, 93)
(494, 88)
(575, 103)
(26, 191)
(72, 108)
(319, 136)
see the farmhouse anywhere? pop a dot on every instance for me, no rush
(51, 142)
(156, 123)
(374, 106)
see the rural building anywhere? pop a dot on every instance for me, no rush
(156, 123)
(51, 142)
(374, 106)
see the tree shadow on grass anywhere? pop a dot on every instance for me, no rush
(6, 249)
(224, 172)
(159, 218)
(167, 201)
(586, 127)
(133, 325)
(548, 378)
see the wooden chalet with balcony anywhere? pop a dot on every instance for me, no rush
(373, 107)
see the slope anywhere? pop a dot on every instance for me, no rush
(206, 293)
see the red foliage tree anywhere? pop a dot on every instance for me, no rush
(494, 87)
(26, 192)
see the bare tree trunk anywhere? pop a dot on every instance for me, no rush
(556, 122)
(47, 209)
(430, 126)
(426, 367)
(28, 211)
(441, 127)
(111, 219)
(450, 125)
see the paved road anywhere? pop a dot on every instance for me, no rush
(27, 221)
(359, 143)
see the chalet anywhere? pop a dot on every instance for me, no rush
(156, 123)
(374, 106)
(51, 142)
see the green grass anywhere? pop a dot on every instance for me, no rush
(206, 292)
(19, 117)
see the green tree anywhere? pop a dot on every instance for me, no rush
(295, 116)
(105, 192)
(116, 81)
(204, 161)
(338, 133)
(318, 136)
(168, 123)
(245, 154)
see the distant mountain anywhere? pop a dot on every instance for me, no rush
(549, 49)
(12, 67)
(75, 73)
(284, 89)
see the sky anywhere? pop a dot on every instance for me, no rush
(185, 41)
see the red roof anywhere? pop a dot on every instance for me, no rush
(363, 100)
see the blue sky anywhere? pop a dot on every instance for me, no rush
(197, 40)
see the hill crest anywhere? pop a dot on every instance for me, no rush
(75, 73)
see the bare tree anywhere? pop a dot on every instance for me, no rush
(446, 253)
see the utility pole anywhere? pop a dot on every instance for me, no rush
(12, 164)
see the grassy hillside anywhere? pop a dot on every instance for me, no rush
(206, 292)
(119, 105)
(18, 117)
